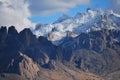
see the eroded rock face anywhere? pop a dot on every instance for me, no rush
(27, 37)
(28, 69)
(97, 52)
(12, 31)
(3, 34)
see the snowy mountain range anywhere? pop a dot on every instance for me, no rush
(88, 48)
(66, 26)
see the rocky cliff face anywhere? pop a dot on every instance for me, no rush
(97, 51)
(28, 69)
(89, 54)
(35, 50)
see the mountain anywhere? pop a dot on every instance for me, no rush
(88, 50)
(91, 20)
(25, 57)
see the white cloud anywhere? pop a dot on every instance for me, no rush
(44, 7)
(15, 12)
(115, 5)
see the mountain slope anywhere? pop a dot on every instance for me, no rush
(84, 47)
(97, 51)
(25, 57)
(91, 20)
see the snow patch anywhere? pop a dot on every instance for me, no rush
(92, 20)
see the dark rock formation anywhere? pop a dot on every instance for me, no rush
(97, 52)
(12, 43)
(27, 38)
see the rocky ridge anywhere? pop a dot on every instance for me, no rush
(91, 20)
(95, 54)
(25, 57)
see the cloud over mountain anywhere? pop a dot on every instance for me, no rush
(18, 12)
(15, 13)
(39, 7)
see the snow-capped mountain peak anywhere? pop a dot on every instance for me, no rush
(82, 22)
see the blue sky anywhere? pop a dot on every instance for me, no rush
(95, 4)
(27, 13)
